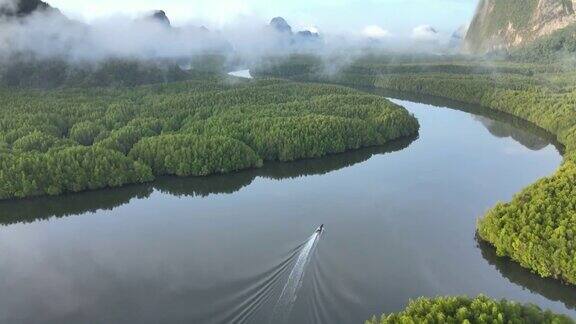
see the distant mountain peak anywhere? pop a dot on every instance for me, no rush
(281, 25)
(161, 17)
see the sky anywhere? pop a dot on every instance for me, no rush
(380, 18)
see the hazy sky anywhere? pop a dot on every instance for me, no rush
(396, 17)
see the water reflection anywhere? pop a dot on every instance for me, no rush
(244, 74)
(549, 288)
(205, 186)
(30, 210)
(41, 208)
(499, 124)
(504, 130)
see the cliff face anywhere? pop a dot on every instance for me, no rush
(505, 24)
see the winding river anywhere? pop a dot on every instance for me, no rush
(400, 223)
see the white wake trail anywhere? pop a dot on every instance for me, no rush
(289, 293)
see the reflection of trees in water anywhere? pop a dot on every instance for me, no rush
(330, 163)
(500, 124)
(549, 288)
(30, 210)
(230, 183)
(33, 209)
(504, 130)
(204, 186)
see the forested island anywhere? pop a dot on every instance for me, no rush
(70, 140)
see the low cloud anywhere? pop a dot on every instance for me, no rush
(51, 35)
(425, 33)
(48, 34)
(375, 32)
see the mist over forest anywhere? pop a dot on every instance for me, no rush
(36, 30)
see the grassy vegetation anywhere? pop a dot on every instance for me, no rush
(538, 227)
(70, 140)
(467, 310)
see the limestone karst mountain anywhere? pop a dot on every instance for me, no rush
(161, 17)
(501, 25)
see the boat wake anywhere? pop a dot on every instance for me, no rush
(260, 293)
(289, 293)
(255, 300)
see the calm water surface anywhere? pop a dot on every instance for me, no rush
(400, 223)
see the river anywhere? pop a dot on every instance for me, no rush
(400, 223)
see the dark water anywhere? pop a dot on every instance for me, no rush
(400, 223)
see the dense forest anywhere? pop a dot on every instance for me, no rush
(75, 139)
(537, 228)
(469, 310)
(27, 72)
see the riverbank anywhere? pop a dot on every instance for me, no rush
(537, 228)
